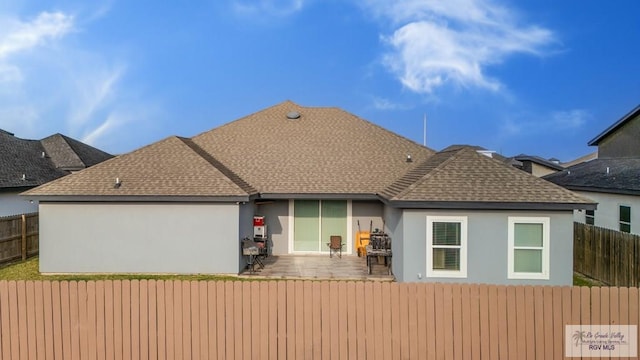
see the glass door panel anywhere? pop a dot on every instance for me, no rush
(306, 225)
(333, 221)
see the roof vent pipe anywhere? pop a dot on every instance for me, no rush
(293, 115)
(607, 170)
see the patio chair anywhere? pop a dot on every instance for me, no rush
(335, 245)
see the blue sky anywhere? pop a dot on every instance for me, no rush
(539, 77)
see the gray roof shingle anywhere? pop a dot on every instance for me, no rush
(618, 176)
(43, 160)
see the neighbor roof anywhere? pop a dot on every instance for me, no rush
(540, 161)
(463, 178)
(632, 114)
(617, 176)
(29, 163)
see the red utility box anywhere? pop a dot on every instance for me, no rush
(258, 221)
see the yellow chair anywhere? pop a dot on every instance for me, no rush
(362, 240)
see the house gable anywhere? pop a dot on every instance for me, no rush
(620, 139)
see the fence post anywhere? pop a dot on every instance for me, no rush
(24, 237)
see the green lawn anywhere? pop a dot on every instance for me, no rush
(28, 270)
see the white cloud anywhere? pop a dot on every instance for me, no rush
(571, 119)
(437, 43)
(386, 104)
(268, 7)
(19, 36)
(94, 91)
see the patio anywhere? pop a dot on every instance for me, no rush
(319, 267)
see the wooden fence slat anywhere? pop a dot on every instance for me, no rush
(125, 331)
(92, 329)
(5, 327)
(511, 322)
(83, 320)
(265, 309)
(48, 319)
(145, 319)
(185, 314)
(239, 320)
(273, 319)
(530, 321)
(343, 340)
(300, 330)
(485, 332)
(14, 322)
(213, 342)
(352, 332)
(282, 319)
(203, 316)
(474, 322)
(558, 325)
(224, 340)
(306, 328)
(361, 319)
(23, 327)
(538, 322)
(421, 325)
(548, 321)
(376, 303)
(254, 319)
(108, 319)
(153, 319)
(31, 319)
(290, 319)
(456, 306)
(369, 335)
(521, 323)
(134, 308)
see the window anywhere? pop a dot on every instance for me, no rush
(625, 218)
(528, 248)
(590, 217)
(447, 246)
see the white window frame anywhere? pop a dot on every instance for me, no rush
(546, 230)
(462, 273)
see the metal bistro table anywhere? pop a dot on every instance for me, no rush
(252, 252)
(379, 246)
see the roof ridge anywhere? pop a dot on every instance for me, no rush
(235, 178)
(75, 153)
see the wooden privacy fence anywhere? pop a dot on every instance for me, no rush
(610, 256)
(297, 319)
(18, 237)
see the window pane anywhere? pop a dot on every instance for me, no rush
(446, 259)
(590, 220)
(625, 227)
(446, 233)
(625, 214)
(528, 235)
(527, 261)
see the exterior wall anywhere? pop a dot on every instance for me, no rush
(172, 238)
(540, 170)
(607, 214)
(394, 227)
(276, 215)
(623, 142)
(487, 252)
(11, 203)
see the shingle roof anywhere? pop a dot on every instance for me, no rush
(619, 176)
(319, 152)
(464, 176)
(166, 168)
(324, 151)
(538, 160)
(70, 154)
(43, 160)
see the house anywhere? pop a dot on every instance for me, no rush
(538, 166)
(25, 164)
(611, 179)
(181, 205)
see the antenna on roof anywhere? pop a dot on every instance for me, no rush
(424, 130)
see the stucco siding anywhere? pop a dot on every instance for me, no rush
(11, 203)
(487, 253)
(608, 212)
(139, 237)
(276, 215)
(394, 228)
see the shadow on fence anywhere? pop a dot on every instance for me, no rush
(609, 256)
(19, 237)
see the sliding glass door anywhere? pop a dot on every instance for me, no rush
(315, 221)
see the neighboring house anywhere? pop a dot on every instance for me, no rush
(538, 166)
(25, 164)
(181, 205)
(612, 179)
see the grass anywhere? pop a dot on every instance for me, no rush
(581, 280)
(28, 270)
